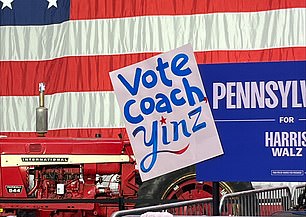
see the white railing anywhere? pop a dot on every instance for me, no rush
(261, 202)
(296, 192)
(186, 208)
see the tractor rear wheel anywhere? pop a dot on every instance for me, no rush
(182, 185)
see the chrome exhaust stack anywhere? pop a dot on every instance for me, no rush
(41, 113)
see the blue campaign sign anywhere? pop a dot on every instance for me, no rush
(260, 114)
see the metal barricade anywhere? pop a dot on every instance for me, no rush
(296, 192)
(261, 202)
(193, 207)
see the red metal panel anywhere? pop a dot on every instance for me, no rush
(61, 145)
(12, 184)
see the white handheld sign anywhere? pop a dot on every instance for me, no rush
(166, 111)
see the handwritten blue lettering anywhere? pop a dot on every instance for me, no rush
(128, 116)
(165, 135)
(197, 126)
(190, 90)
(152, 142)
(177, 101)
(176, 129)
(149, 83)
(147, 105)
(132, 89)
(177, 66)
(161, 68)
(160, 103)
(163, 105)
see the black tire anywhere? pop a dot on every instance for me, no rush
(163, 188)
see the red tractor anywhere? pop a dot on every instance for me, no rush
(74, 177)
(84, 177)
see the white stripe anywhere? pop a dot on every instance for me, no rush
(65, 110)
(218, 31)
(246, 120)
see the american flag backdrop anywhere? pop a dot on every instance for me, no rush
(72, 45)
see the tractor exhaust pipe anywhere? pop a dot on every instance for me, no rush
(41, 113)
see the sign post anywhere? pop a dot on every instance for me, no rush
(216, 198)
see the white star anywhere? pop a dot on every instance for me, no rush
(52, 3)
(7, 3)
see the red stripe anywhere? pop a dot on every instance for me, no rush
(266, 55)
(97, 9)
(76, 133)
(91, 73)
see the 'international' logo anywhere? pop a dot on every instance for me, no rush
(44, 159)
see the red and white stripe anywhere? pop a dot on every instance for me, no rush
(75, 57)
